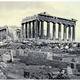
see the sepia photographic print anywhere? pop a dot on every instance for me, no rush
(40, 40)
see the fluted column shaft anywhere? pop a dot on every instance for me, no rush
(33, 28)
(59, 31)
(73, 34)
(36, 29)
(22, 31)
(54, 31)
(69, 35)
(26, 30)
(29, 29)
(64, 35)
(48, 30)
(42, 30)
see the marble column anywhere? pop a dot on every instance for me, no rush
(69, 33)
(73, 33)
(54, 31)
(36, 29)
(42, 30)
(33, 29)
(29, 29)
(22, 30)
(64, 34)
(59, 31)
(26, 30)
(48, 30)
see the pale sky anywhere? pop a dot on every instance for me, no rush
(12, 13)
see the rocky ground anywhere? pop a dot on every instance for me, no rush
(17, 67)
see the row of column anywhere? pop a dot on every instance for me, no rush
(34, 30)
(69, 32)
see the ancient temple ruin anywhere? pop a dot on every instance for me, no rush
(33, 27)
(3, 33)
(9, 33)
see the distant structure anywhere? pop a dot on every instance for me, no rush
(3, 33)
(33, 27)
(9, 33)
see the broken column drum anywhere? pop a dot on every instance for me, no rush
(33, 27)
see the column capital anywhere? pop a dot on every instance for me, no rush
(69, 25)
(73, 25)
(54, 22)
(59, 23)
(48, 21)
(42, 20)
(29, 22)
(65, 24)
(22, 23)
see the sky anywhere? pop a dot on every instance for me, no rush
(12, 13)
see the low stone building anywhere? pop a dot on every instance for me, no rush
(9, 33)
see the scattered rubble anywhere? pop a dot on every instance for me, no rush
(15, 56)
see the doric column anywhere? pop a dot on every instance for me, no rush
(54, 31)
(26, 30)
(69, 33)
(22, 31)
(59, 31)
(48, 30)
(73, 33)
(36, 29)
(29, 29)
(42, 30)
(64, 34)
(33, 29)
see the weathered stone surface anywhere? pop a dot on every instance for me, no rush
(48, 30)
(5, 57)
(59, 32)
(64, 34)
(2, 76)
(42, 30)
(49, 18)
(40, 18)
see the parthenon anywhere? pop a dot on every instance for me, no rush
(33, 27)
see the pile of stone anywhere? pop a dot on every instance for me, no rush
(3, 70)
